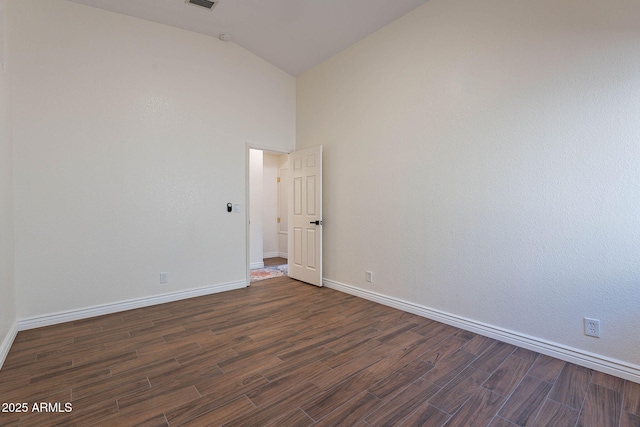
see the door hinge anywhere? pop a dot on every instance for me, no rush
(278, 220)
(278, 178)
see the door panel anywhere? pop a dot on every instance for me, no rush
(305, 216)
(297, 246)
(297, 196)
(311, 195)
(311, 249)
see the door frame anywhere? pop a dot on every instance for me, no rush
(252, 146)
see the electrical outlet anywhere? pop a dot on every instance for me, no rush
(164, 278)
(370, 276)
(592, 327)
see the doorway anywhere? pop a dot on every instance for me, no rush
(268, 198)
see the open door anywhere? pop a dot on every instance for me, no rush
(305, 215)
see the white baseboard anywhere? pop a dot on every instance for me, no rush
(284, 255)
(254, 265)
(589, 360)
(7, 342)
(99, 310)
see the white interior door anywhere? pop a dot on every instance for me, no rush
(305, 215)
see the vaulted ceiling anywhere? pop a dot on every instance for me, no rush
(294, 35)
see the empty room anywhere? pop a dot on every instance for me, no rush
(502, 290)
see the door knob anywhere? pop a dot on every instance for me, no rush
(316, 222)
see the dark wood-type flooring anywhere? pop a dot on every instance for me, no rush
(283, 353)
(270, 262)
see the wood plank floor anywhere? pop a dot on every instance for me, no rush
(282, 353)
(270, 262)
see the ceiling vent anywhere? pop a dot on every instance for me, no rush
(203, 3)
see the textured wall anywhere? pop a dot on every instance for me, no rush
(256, 207)
(130, 138)
(482, 158)
(7, 298)
(270, 203)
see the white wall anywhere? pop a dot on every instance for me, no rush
(283, 206)
(256, 207)
(7, 297)
(482, 159)
(263, 195)
(130, 138)
(270, 204)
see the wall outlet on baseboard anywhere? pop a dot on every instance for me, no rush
(370, 276)
(164, 278)
(592, 327)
